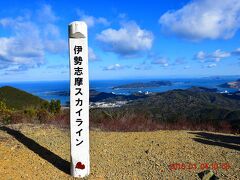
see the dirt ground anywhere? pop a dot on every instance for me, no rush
(42, 152)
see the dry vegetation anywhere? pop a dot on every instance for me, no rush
(110, 119)
(114, 119)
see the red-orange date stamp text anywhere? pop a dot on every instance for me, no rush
(202, 166)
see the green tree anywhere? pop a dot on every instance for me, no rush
(54, 106)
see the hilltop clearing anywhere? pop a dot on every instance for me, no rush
(42, 152)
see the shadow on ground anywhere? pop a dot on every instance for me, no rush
(226, 141)
(44, 153)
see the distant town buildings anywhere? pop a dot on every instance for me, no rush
(107, 104)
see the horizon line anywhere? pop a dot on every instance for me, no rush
(119, 79)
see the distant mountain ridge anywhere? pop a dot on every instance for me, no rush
(193, 106)
(96, 96)
(144, 85)
(202, 89)
(196, 105)
(18, 99)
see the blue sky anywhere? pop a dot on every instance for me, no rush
(127, 39)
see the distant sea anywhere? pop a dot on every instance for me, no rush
(60, 89)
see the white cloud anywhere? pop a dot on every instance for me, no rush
(179, 61)
(29, 41)
(161, 61)
(91, 20)
(58, 66)
(25, 48)
(91, 55)
(45, 13)
(142, 66)
(201, 55)
(115, 67)
(51, 30)
(127, 41)
(55, 45)
(236, 51)
(216, 56)
(212, 65)
(204, 19)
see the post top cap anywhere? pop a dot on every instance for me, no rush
(77, 29)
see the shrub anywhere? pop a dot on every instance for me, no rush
(61, 119)
(45, 105)
(43, 116)
(129, 119)
(30, 112)
(5, 113)
(119, 119)
(6, 120)
(54, 106)
(3, 106)
(19, 117)
(225, 126)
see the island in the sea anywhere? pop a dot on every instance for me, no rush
(139, 85)
(233, 84)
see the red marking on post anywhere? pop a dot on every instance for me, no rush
(79, 165)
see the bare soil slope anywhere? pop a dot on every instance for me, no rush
(42, 152)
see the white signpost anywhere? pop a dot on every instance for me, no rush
(79, 99)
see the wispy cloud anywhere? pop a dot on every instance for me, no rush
(45, 13)
(215, 56)
(58, 66)
(211, 65)
(115, 67)
(91, 55)
(162, 61)
(201, 56)
(236, 52)
(143, 66)
(179, 61)
(218, 55)
(127, 41)
(91, 20)
(203, 19)
(187, 67)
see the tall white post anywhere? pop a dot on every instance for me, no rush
(79, 99)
